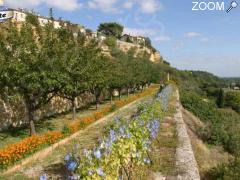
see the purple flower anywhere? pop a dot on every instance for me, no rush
(97, 153)
(112, 135)
(68, 157)
(100, 172)
(90, 172)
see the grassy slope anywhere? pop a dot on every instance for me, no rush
(207, 156)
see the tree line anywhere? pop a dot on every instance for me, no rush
(40, 63)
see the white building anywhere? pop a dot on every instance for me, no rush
(20, 16)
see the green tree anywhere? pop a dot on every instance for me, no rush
(31, 66)
(220, 98)
(76, 66)
(111, 29)
(32, 19)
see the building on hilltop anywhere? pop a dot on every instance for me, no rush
(19, 16)
(133, 39)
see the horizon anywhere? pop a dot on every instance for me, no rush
(189, 40)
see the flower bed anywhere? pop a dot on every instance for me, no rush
(17, 151)
(126, 145)
(27, 146)
(83, 122)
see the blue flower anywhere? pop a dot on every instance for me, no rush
(97, 153)
(112, 135)
(68, 157)
(71, 166)
(43, 177)
(117, 120)
(100, 172)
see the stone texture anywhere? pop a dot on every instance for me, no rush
(185, 160)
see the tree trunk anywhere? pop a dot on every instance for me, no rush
(30, 112)
(142, 88)
(128, 91)
(97, 96)
(74, 108)
(119, 94)
(111, 96)
(31, 120)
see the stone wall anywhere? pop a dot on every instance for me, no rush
(186, 163)
(13, 110)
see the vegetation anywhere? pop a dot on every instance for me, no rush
(126, 145)
(111, 29)
(232, 99)
(40, 65)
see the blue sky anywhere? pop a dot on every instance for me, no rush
(195, 40)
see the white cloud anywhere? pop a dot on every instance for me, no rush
(23, 3)
(150, 6)
(128, 4)
(204, 39)
(139, 31)
(162, 39)
(108, 6)
(69, 5)
(145, 6)
(192, 34)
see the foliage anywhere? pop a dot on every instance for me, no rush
(222, 126)
(127, 144)
(232, 99)
(32, 61)
(229, 171)
(110, 41)
(111, 29)
(31, 19)
(220, 98)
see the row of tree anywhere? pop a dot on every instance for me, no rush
(39, 63)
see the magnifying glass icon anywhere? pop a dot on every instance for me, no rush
(234, 4)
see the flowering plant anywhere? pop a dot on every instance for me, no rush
(126, 144)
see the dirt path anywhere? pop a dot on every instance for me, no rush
(86, 138)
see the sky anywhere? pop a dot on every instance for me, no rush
(192, 40)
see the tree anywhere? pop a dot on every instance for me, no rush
(79, 66)
(31, 66)
(98, 76)
(148, 42)
(51, 14)
(220, 98)
(33, 20)
(111, 29)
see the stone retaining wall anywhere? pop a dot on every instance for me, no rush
(186, 164)
(13, 110)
